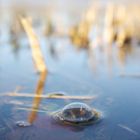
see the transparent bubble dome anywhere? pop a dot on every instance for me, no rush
(76, 113)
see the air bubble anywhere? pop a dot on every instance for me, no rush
(23, 124)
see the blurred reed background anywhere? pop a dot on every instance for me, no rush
(92, 25)
(89, 24)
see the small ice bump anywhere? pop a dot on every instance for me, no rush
(23, 124)
(77, 113)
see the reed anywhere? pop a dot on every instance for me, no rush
(37, 99)
(40, 65)
(51, 97)
(34, 44)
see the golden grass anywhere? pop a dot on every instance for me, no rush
(40, 65)
(34, 44)
(36, 102)
(31, 95)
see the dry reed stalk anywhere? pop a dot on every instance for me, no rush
(37, 97)
(32, 110)
(40, 65)
(108, 29)
(51, 97)
(34, 44)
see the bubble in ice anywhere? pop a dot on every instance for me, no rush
(77, 113)
(23, 124)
